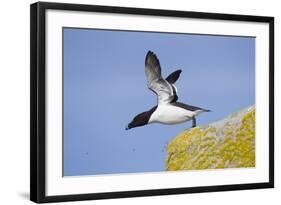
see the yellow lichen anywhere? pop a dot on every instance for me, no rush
(213, 147)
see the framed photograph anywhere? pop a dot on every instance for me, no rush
(129, 102)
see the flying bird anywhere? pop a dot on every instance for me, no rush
(168, 110)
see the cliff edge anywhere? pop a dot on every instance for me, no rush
(228, 143)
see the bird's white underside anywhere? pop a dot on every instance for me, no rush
(169, 114)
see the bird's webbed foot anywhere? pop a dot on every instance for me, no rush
(193, 122)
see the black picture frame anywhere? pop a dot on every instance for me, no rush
(38, 101)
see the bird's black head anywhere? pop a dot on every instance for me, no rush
(141, 119)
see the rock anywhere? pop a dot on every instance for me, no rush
(228, 143)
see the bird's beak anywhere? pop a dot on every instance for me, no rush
(127, 127)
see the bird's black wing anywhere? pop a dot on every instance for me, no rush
(174, 76)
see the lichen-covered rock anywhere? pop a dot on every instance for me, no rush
(229, 143)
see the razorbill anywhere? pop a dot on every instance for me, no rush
(168, 110)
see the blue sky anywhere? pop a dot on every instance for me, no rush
(105, 87)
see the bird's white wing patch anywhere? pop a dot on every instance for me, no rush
(163, 90)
